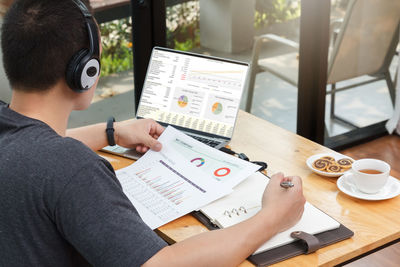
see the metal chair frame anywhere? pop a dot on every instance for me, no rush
(337, 31)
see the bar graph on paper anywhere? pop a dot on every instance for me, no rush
(159, 188)
(172, 191)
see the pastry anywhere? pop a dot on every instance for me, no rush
(345, 163)
(329, 158)
(321, 164)
(334, 168)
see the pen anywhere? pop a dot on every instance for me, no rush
(287, 184)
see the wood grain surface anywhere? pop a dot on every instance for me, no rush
(374, 223)
(386, 148)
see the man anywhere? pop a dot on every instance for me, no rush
(60, 203)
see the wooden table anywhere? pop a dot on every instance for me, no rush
(374, 223)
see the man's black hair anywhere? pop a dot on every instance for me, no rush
(38, 39)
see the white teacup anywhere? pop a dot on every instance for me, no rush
(370, 175)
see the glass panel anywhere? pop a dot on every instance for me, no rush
(227, 28)
(362, 50)
(5, 92)
(114, 94)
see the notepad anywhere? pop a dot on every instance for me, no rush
(245, 202)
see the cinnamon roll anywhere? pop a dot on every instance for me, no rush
(345, 163)
(334, 168)
(329, 158)
(321, 164)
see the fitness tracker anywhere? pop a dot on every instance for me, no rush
(110, 131)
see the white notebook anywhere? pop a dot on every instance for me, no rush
(245, 201)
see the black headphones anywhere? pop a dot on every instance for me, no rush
(84, 67)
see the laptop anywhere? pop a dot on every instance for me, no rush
(197, 94)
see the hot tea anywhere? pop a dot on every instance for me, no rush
(370, 171)
(370, 175)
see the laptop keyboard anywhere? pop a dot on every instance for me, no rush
(206, 141)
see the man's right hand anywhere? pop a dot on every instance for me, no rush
(281, 208)
(285, 206)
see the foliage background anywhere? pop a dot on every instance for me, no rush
(183, 31)
(117, 53)
(275, 11)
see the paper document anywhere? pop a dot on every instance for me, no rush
(215, 165)
(168, 184)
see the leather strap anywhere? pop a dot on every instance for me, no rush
(110, 131)
(312, 242)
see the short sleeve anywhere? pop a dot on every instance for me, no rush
(94, 215)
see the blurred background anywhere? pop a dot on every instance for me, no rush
(229, 28)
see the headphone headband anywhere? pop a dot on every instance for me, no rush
(82, 8)
(83, 69)
(93, 38)
(91, 28)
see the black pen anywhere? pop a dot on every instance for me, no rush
(287, 184)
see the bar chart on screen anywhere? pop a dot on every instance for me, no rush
(224, 78)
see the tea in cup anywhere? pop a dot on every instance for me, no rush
(370, 175)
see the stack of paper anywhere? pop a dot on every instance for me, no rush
(184, 176)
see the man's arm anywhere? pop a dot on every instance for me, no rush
(94, 136)
(139, 134)
(281, 209)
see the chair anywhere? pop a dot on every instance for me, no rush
(363, 43)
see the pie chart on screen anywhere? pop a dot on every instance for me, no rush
(182, 101)
(216, 108)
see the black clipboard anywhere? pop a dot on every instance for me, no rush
(290, 250)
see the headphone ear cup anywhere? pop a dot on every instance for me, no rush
(73, 73)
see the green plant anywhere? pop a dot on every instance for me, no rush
(273, 11)
(342, 4)
(183, 26)
(117, 52)
(182, 34)
(182, 21)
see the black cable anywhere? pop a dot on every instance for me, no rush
(227, 150)
(263, 165)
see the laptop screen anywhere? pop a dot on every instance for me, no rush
(193, 91)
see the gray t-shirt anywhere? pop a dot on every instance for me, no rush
(61, 204)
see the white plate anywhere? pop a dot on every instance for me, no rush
(336, 156)
(390, 190)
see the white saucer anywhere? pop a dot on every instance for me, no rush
(336, 156)
(390, 190)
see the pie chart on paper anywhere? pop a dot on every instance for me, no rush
(198, 161)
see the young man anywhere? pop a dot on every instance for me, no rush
(60, 203)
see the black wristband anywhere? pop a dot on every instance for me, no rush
(110, 131)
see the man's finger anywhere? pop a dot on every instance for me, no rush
(159, 129)
(152, 143)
